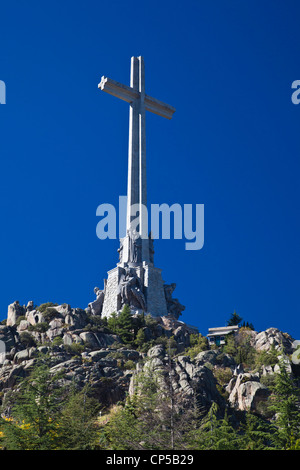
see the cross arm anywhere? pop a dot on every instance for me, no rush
(128, 94)
(117, 89)
(158, 107)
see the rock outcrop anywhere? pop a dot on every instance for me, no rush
(188, 378)
(273, 338)
(77, 345)
(246, 392)
(80, 344)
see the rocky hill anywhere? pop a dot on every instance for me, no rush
(87, 349)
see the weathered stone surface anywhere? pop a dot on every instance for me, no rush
(267, 370)
(105, 340)
(23, 326)
(9, 376)
(174, 307)
(143, 290)
(273, 337)
(112, 302)
(156, 351)
(130, 354)
(67, 339)
(43, 349)
(102, 362)
(246, 392)
(56, 328)
(182, 338)
(97, 355)
(7, 335)
(284, 360)
(15, 310)
(95, 308)
(66, 364)
(171, 323)
(207, 356)
(89, 339)
(154, 291)
(63, 309)
(21, 356)
(188, 378)
(34, 316)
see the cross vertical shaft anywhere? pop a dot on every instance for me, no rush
(136, 185)
(136, 182)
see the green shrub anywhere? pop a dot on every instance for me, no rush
(144, 348)
(27, 339)
(50, 313)
(150, 321)
(223, 375)
(140, 339)
(115, 355)
(268, 380)
(130, 365)
(19, 319)
(43, 307)
(95, 322)
(169, 344)
(39, 327)
(74, 348)
(57, 341)
(198, 343)
(239, 347)
(267, 358)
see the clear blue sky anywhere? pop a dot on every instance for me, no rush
(233, 145)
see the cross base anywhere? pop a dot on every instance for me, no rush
(145, 277)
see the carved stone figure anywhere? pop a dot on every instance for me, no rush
(131, 289)
(174, 307)
(135, 247)
(96, 307)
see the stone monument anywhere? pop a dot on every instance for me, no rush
(135, 280)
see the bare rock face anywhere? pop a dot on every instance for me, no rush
(56, 328)
(15, 310)
(246, 392)
(88, 352)
(33, 317)
(273, 337)
(213, 357)
(7, 335)
(188, 378)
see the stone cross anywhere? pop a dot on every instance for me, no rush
(136, 183)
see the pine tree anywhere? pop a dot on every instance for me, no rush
(140, 337)
(33, 424)
(112, 322)
(125, 325)
(77, 421)
(258, 434)
(234, 319)
(286, 406)
(215, 432)
(152, 418)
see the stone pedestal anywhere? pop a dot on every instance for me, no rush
(153, 289)
(111, 299)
